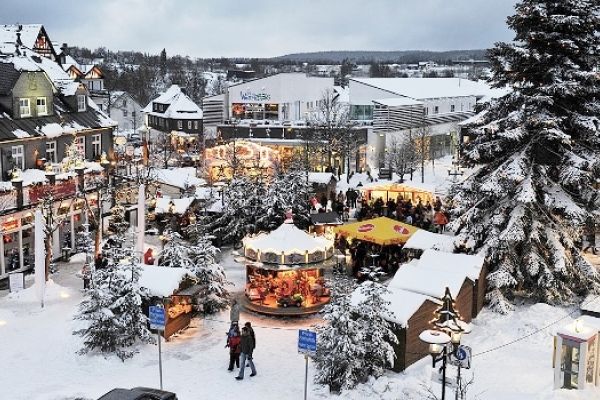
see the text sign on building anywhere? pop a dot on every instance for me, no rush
(250, 96)
(157, 317)
(307, 342)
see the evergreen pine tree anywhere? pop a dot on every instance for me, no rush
(539, 147)
(339, 360)
(113, 307)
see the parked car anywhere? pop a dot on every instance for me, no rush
(139, 393)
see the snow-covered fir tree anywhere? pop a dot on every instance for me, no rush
(340, 356)
(176, 252)
(112, 308)
(539, 146)
(373, 315)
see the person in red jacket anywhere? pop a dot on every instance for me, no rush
(233, 342)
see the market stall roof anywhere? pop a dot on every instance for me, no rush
(162, 281)
(425, 240)
(464, 264)
(383, 231)
(418, 278)
(327, 218)
(180, 206)
(403, 304)
(321, 178)
(400, 187)
(178, 177)
(287, 239)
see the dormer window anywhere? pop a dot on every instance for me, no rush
(24, 108)
(42, 108)
(81, 102)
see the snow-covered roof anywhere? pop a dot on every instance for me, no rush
(8, 36)
(180, 206)
(287, 239)
(417, 278)
(403, 303)
(398, 102)
(178, 177)
(343, 94)
(582, 328)
(591, 304)
(29, 177)
(322, 178)
(428, 88)
(425, 240)
(162, 281)
(464, 264)
(179, 105)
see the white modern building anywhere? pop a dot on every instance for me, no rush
(397, 107)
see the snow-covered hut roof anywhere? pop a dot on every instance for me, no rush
(287, 239)
(162, 281)
(178, 177)
(179, 105)
(180, 206)
(321, 178)
(465, 265)
(417, 278)
(425, 240)
(402, 303)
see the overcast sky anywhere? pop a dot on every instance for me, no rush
(265, 28)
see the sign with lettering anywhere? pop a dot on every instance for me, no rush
(60, 190)
(157, 317)
(307, 342)
(250, 96)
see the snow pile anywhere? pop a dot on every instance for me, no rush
(461, 264)
(20, 133)
(162, 281)
(181, 178)
(30, 295)
(52, 130)
(321, 178)
(78, 258)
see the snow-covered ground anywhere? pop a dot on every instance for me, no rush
(40, 361)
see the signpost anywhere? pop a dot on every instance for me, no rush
(157, 321)
(462, 359)
(16, 281)
(307, 344)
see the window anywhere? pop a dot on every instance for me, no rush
(179, 124)
(18, 156)
(124, 113)
(436, 110)
(569, 365)
(51, 152)
(96, 145)
(42, 109)
(81, 102)
(195, 124)
(80, 143)
(124, 103)
(24, 109)
(452, 108)
(426, 110)
(189, 124)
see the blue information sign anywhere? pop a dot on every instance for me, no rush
(307, 342)
(157, 318)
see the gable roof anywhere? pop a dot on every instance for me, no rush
(8, 77)
(28, 34)
(179, 105)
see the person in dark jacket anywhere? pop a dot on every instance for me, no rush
(246, 352)
(234, 344)
(251, 331)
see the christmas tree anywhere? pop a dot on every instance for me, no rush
(539, 148)
(340, 357)
(288, 191)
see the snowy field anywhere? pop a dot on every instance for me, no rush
(40, 360)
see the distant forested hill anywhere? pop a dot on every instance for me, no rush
(401, 57)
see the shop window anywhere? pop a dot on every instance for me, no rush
(18, 156)
(51, 152)
(81, 102)
(96, 145)
(42, 108)
(24, 108)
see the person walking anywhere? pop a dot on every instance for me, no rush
(234, 312)
(233, 342)
(246, 353)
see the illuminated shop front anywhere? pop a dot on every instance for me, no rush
(251, 159)
(285, 271)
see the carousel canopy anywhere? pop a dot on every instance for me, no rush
(382, 231)
(287, 239)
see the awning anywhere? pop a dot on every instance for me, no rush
(382, 231)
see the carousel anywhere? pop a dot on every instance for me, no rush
(285, 271)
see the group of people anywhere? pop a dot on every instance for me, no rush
(363, 254)
(431, 217)
(241, 343)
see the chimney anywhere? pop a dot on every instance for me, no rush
(64, 48)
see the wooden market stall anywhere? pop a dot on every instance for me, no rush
(285, 271)
(407, 191)
(323, 223)
(175, 289)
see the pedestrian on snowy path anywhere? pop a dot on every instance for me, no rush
(233, 342)
(246, 353)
